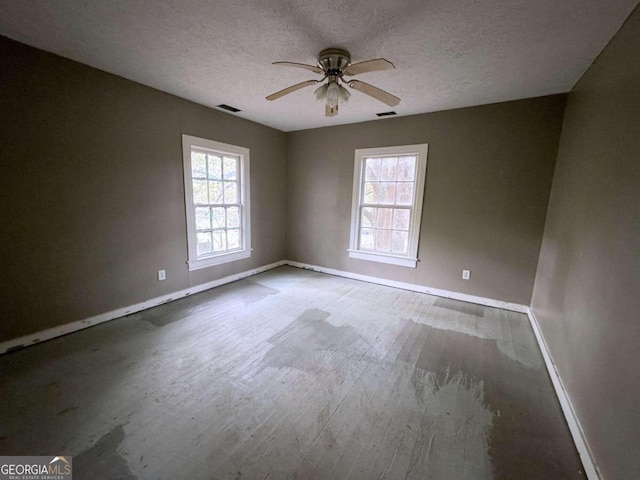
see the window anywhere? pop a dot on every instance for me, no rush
(216, 184)
(388, 187)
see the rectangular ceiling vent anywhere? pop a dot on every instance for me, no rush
(385, 114)
(229, 108)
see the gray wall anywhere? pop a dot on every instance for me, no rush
(91, 190)
(587, 289)
(489, 174)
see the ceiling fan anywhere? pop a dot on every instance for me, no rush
(333, 64)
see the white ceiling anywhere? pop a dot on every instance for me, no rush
(448, 54)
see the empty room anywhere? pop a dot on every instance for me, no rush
(320, 240)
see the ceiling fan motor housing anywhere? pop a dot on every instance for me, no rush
(334, 60)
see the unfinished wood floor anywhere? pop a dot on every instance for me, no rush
(292, 374)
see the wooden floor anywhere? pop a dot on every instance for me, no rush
(292, 374)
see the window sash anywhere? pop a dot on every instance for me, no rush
(224, 229)
(390, 229)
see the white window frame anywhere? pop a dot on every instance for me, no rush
(411, 258)
(194, 262)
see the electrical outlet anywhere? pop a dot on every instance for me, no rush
(466, 274)
(162, 275)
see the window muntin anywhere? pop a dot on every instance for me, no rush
(217, 200)
(388, 190)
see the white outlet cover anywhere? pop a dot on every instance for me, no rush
(162, 275)
(466, 274)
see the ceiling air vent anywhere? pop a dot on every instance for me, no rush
(229, 108)
(385, 114)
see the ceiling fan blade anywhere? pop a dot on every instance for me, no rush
(374, 65)
(292, 88)
(375, 92)
(313, 68)
(330, 112)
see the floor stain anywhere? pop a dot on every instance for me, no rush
(309, 342)
(103, 460)
(254, 292)
(458, 306)
(456, 418)
(459, 395)
(484, 329)
(168, 313)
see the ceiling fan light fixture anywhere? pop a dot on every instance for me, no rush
(326, 93)
(333, 94)
(321, 92)
(344, 94)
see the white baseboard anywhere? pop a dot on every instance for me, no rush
(489, 302)
(588, 462)
(50, 333)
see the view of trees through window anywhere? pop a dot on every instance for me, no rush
(386, 203)
(216, 199)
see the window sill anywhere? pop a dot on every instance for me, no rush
(218, 260)
(382, 258)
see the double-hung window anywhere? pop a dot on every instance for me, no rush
(388, 188)
(216, 181)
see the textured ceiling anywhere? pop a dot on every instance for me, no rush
(448, 54)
